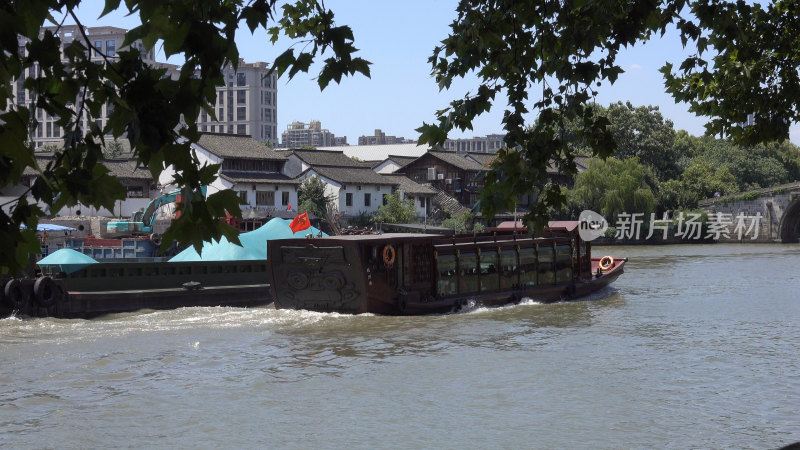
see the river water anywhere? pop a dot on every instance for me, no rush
(695, 346)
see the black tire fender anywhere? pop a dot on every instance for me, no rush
(46, 291)
(15, 295)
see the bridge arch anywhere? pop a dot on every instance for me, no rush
(789, 227)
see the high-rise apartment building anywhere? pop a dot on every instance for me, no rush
(380, 138)
(298, 134)
(105, 40)
(246, 105)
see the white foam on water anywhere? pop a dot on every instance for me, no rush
(472, 307)
(12, 318)
(527, 301)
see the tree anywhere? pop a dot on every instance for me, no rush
(147, 107)
(312, 197)
(699, 181)
(461, 223)
(560, 52)
(396, 210)
(752, 167)
(113, 149)
(642, 132)
(703, 180)
(615, 186)
(744, 75)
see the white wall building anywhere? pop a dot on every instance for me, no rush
(300, 160)
(137, 181)
(354, 190)
(248, 167)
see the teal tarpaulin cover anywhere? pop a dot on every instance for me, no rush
(254, 244)
(67, 259)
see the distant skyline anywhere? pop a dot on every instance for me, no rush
(398, 38)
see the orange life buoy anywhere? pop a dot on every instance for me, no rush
(389, 255)
(606, 262)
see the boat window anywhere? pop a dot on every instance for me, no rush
(563, 263)
(446, 265)
(116, 272)
(546, 257)
(134, 272)
(527, 266)
(98, 273)
(421, 263)
(508, 268)
(468, 268)
(490, 276)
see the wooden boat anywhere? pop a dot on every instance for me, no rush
(408, 274)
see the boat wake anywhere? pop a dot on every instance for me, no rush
(474, 307)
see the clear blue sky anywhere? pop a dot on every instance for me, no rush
(398, 37)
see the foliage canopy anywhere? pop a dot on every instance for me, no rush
(396, 210)
(614, 186)
(549, 58)
(148, 108)
(312, 198)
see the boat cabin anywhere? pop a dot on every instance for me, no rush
(422, 273)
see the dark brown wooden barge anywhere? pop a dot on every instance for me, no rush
(409, 274)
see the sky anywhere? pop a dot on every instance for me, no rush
(398, 37)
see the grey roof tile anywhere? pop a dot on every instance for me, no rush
(409, 186)
(459, 161)
(240, 147)
(330, 158)
(120, 168)
(243, 176)
(352, 175)
(485, 159)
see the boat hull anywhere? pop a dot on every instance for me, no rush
(115, 287)
(409, 274)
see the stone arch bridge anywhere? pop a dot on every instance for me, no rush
(779, 207)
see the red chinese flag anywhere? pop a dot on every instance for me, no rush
(300, 223)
